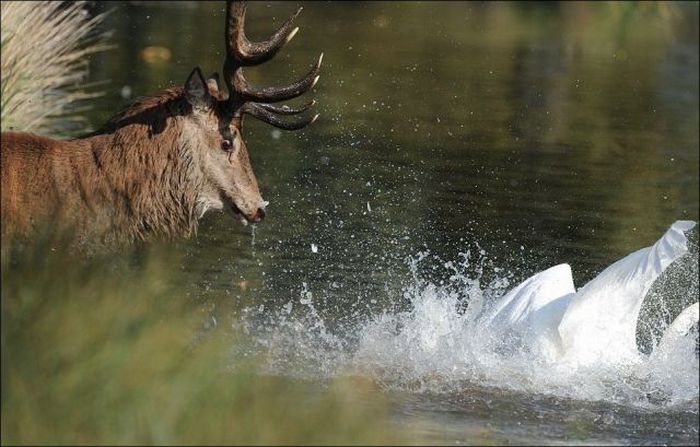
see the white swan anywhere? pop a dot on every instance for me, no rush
(597, 323)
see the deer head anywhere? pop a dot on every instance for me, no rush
(217, 118)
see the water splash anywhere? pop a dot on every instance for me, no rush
(543, 336)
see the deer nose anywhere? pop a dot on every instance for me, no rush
(259, 215)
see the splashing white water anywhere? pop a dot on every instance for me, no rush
(541, 337)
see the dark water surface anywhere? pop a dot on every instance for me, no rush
(527, 134)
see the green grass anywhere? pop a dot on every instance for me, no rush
(104, 351)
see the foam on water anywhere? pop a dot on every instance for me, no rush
(542, 336)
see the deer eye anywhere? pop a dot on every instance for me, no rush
(226, 145)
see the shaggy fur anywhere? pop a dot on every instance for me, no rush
(140, 176)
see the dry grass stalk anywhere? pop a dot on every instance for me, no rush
(44, 65)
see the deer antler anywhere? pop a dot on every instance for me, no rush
(240, 52)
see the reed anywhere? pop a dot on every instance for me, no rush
(44, 52)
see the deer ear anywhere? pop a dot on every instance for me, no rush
(213, 84)
(196, 90)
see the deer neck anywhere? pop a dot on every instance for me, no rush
(152, 181)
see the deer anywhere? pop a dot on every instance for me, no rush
(155, 168)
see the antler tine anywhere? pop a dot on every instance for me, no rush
(287, 110)
(260, 111)
(253, 53)
(269, 112)
(240, 52)
(277, 94)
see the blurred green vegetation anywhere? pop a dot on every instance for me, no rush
(105, 351)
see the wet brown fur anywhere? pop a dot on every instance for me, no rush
(132, 180)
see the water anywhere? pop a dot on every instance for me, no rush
(461, 149)
(447, 354)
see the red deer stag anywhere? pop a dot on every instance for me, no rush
(155, 168)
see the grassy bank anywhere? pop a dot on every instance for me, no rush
(104, 351)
